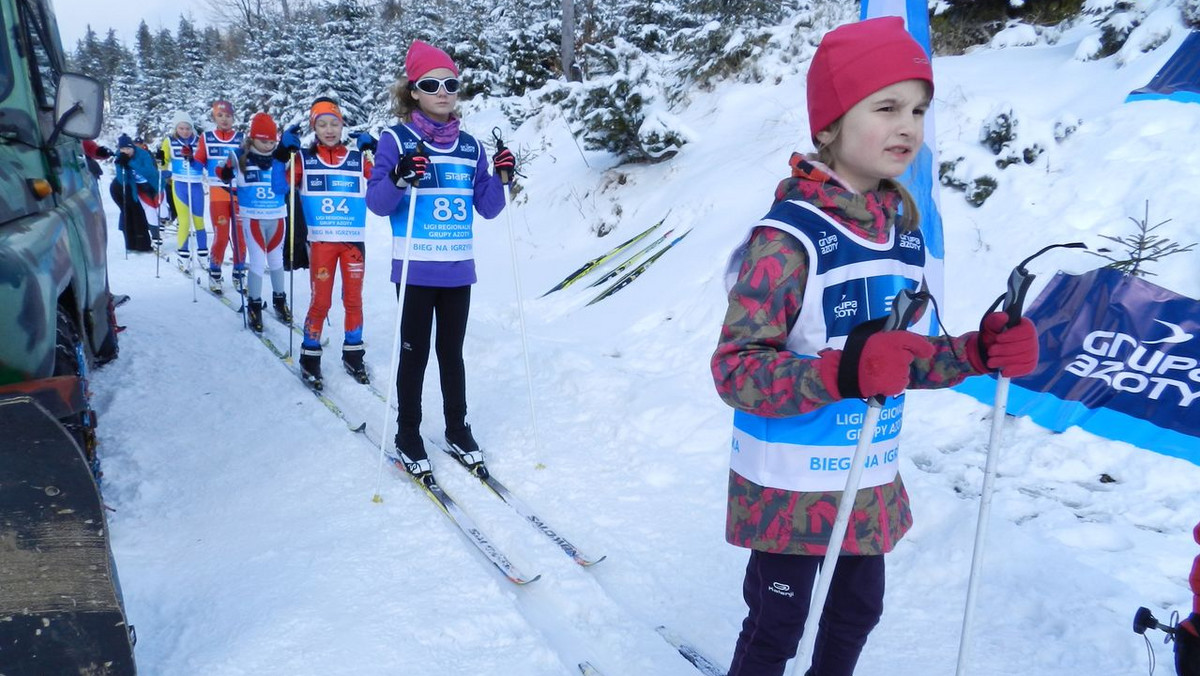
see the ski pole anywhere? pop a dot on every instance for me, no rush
(291, 246)
(906, 304)
(506, 179)
(1012, 303)
(158, 217)
(395, 367)
(235, 230)
(192, 259)
(124, 215)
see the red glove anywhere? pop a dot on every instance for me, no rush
(504, 160)
(883, 367)
(186, 152)
(1011, 351)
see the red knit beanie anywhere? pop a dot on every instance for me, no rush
(262, 127)
(424, 57)
(858, 59)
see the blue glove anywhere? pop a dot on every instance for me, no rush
(290, 141)
(366, 142)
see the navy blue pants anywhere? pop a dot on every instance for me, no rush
(778, 589)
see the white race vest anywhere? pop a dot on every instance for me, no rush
(850, 281)
(445, 212)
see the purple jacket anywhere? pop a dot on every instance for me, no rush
(383, 198)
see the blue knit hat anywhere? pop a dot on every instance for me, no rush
(123, 141)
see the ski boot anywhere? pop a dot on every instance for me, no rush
(279, 302)
(239, 280)
(254, 314)
(352, 359)
(411, 450)
(310, 367)
(156, 237)
(202, 260)
(462, 445)
(183, 258)
(214, 281)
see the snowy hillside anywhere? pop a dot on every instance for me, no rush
(243, 525)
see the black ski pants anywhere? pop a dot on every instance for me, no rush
(423, 305)
(778, 589)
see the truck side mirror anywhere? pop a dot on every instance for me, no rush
(78, 107)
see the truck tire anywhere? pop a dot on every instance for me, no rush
(70, 359)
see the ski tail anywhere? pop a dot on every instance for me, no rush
(635, 258)
(603, 258)
(690, 653)
(633, 274)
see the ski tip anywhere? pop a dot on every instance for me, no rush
(523, 580)
(588, 563)
(361, 428)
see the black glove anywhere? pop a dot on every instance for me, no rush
(409, 170)
(123, 159)
(225, 173)
(505, 163)
(103, 152)
(366, 142)
(282, 154)
(159, 156)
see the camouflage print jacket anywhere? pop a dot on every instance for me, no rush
(755, 372)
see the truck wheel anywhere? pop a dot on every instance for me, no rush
(71, 360)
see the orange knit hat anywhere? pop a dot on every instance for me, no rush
(324, 106)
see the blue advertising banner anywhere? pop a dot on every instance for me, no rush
(1120, 357)
(921, 177)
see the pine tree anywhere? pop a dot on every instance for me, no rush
(531, 44)
(87, 57)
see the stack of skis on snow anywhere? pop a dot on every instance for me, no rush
(626, 271)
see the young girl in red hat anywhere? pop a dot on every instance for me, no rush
(837, 246)
(260, 196)
(449, 169)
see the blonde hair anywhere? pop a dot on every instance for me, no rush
(910, 214)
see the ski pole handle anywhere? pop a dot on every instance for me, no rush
(1019, 280)
(905, 306)
(505, 178)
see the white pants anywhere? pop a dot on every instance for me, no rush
(264, 251)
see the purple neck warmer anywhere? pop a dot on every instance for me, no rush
(437, 133)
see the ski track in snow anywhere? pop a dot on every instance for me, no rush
(247, 541)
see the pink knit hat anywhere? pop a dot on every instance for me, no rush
(424, 57)
(858, 59)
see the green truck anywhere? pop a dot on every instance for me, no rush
(60, 606)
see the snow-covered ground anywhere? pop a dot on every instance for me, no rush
(244, 526)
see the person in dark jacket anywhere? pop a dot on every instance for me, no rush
(135, 190)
